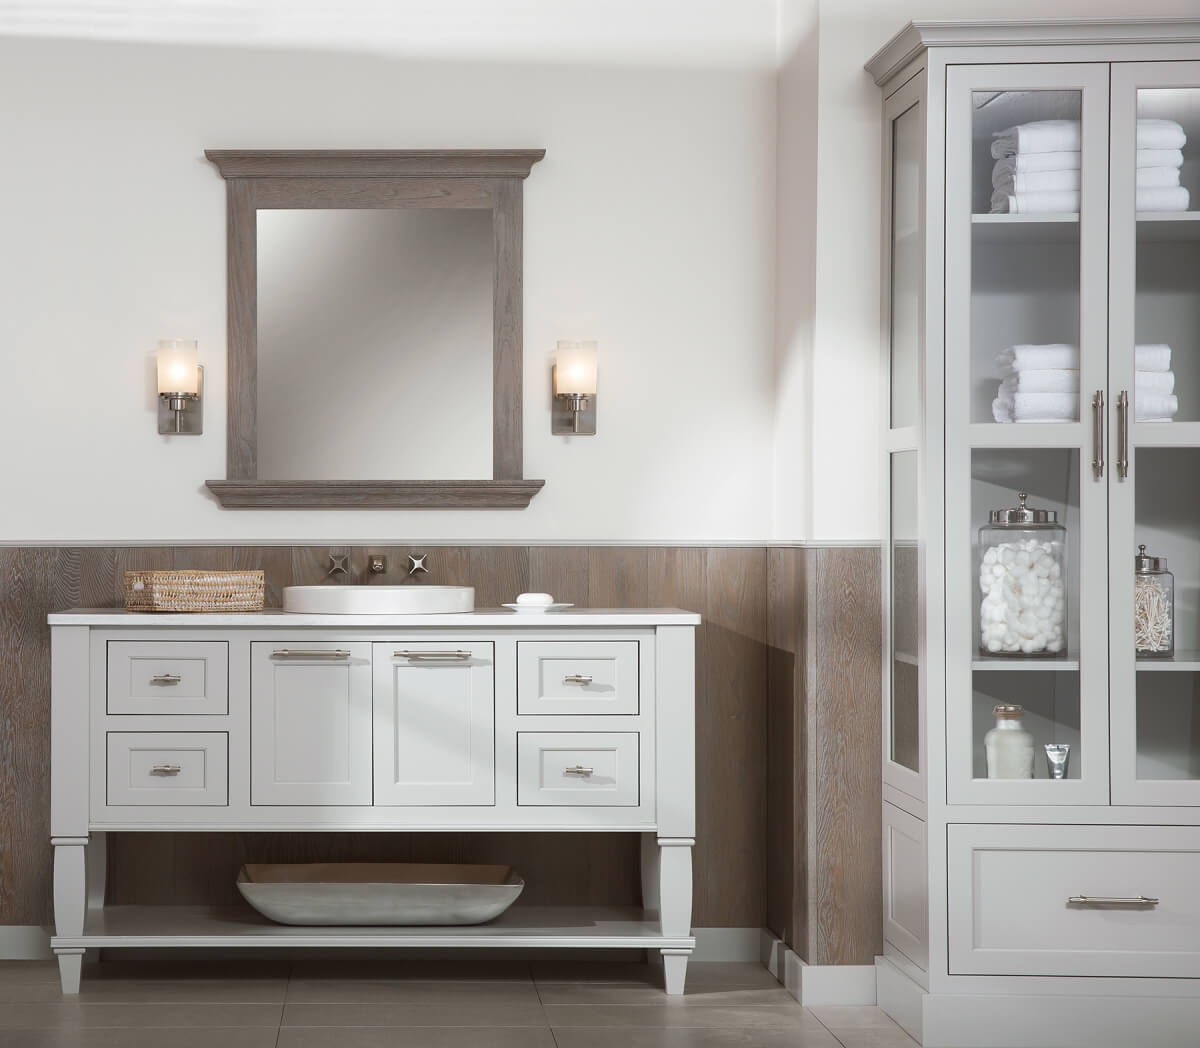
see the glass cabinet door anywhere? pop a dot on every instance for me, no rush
(1026, 360)
(904, 669)
(1155, 428)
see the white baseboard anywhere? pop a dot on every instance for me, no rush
(818, 984)
(24, 942)
(728, 944)
(900, 997)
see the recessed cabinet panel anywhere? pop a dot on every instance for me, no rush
(434, 723)
(167, 768)
(905, 885)
(574, 677)
(578, 768)
(310, 723)
(155, 677)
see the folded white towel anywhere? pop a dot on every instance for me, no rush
(1154, 356)
(1154, 382)
(1035, 407)
(1160, 134)
(1025, 163)
(1039, 136)
(1066, 201)
(1154, 177)
(1153, 407)
(1159, 158)
(1037, 181)
(1039, 381)
(1053, 356)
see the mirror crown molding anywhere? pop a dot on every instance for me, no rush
(373, 178)
(374, 163)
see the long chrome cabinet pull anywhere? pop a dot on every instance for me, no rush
(310, 653)
(1098, 434)
(1123, 434)
(166, 769)
(1112, 900)
(166, 678)
(456, 654)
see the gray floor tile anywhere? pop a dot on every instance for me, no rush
(421, 970)
(730, 975)
(79, 1014)
(26, 973)
(185, 968)
(674, 1012)
(415, 1037)
(762, 1037)
(406, 991)
(867, 1038)
(618, 993)
(155, 1037)
(463, 1013)
(854, 1018)
(154, 991)
(709, 975)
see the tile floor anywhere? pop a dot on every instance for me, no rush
(419, 1004)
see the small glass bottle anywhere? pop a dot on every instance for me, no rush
(1153, 607)
(1008, 746)
(1023, 583)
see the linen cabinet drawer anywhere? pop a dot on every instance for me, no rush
(578, 768)
(168, 767)
(157, 677)
(577, 677)
(1074, 900)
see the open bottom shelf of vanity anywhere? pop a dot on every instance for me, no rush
(522, 927)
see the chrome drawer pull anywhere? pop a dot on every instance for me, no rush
(166, 769)
(1111, 900)
(166, 678)
(579, 770)
(456, 654)
(310, 653)
(577, 678)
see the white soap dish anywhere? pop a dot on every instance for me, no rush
(536, 609)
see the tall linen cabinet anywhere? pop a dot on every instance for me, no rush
(1041, 911)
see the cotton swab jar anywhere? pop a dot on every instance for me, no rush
(1153, 607)
(1023, 582)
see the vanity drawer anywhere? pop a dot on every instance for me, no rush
(578, 768)
(168, 767)
(168, 677)
(577, 677)
(1010, 911)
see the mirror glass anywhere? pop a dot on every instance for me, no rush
(375, 343)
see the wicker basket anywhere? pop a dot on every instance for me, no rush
(194, 590)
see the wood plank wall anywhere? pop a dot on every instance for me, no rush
(752, 860)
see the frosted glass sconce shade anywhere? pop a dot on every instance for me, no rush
(180, 384)
(574, 389)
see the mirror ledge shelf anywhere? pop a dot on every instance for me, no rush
(375, 494)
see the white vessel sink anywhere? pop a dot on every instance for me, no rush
(378, 600)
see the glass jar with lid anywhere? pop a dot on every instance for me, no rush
(1023, 582)
(1153, 607)
(1008, 747)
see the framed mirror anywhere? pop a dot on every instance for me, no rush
(374, 328)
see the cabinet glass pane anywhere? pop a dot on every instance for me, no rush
(907, 144)
(1025, 256)
(1167, 522)
(1024, 600)
(904, 744)
(1167, 193)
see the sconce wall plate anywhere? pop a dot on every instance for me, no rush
(191, 417)
(562, 417)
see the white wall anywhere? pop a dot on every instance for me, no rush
(648, 227)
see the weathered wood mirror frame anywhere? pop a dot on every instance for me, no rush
(472, 178)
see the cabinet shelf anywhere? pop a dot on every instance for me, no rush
(1070, 664)
(1025, 229)
(1182, 662)
(522, 927)
(1168, 225)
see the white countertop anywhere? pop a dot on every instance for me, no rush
(273, 617)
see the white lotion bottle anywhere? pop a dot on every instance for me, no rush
(1008, 746)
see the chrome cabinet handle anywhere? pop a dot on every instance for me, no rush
(1123, 434)
(577, 678)
(458, 653)
(579, 770)
(166, 678)
(1098, 434)
(166, 769)
(310, 653)
(1111, 900)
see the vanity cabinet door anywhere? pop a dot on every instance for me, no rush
(310, 723)
(435, 740)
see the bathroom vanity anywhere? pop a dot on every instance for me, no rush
(275, 722)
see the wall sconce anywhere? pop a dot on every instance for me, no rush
(180, 387)
(574, 378)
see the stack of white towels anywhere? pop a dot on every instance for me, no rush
(1037, 167)
(1041, 384)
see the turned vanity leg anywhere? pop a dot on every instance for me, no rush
(667, 892)
(70, 905)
